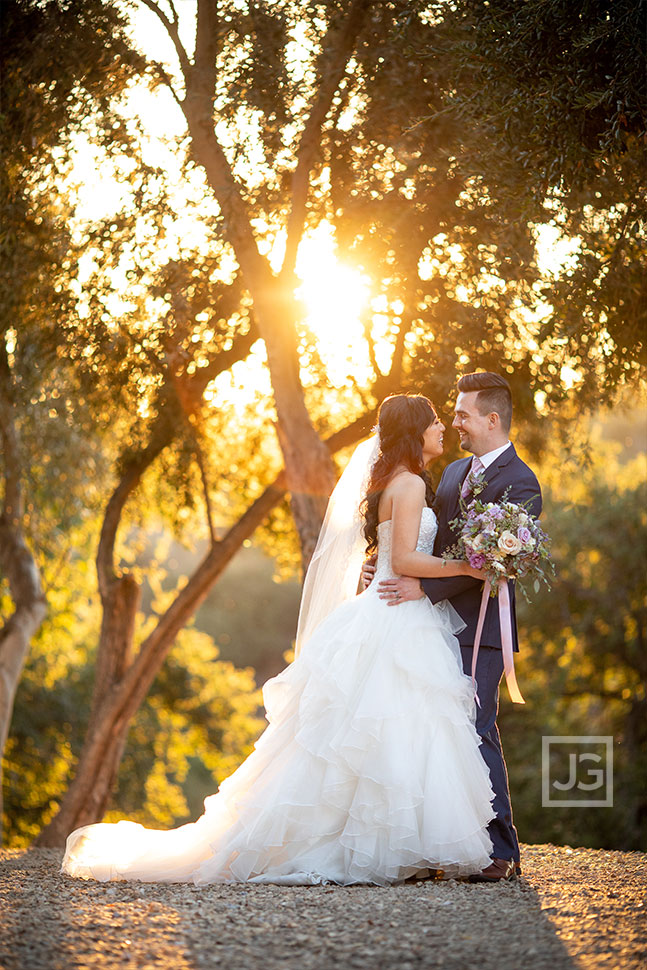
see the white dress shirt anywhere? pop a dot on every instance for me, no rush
(487, 459)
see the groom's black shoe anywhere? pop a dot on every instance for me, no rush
(497, 870)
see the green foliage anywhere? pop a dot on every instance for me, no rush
(583, 662)
(454, 274)
(545, 103)
(198, 723)
(250, 614)
(556, 89)
(59, 62)
(407, 178)
(196, 726)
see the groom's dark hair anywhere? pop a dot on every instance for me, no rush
(494, 394)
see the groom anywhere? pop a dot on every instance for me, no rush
(482, 417)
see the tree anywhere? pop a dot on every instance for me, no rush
(220, 40)
(125, 669)
(359, 160)
(549, 100)
(39, 109)
(18, 564)
(124, 677)
(198, 722)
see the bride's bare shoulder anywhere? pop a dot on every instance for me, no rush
(406, 483)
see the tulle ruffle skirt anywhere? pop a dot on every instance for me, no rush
(369, 770)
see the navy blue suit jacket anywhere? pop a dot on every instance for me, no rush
(508, 475)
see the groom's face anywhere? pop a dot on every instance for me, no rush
(474, 428)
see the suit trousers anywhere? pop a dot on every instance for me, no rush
(489, 669)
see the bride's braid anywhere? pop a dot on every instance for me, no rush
(402, 422)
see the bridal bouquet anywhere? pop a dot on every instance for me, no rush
(505, 541)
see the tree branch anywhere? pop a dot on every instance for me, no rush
(123, 698)
(171, 27)
(161, 435)
(206, 42)
(406, 322)
(16, 560)
(223, 360)
(205, 485)
(370, 343)
(13, 499)
(339, 44)
(351, 433)
(161, 71)
(208, 151)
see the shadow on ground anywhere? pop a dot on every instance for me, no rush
(54, 922)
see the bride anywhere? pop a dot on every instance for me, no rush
(369, 770)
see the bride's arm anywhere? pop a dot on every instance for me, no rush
(408, 499)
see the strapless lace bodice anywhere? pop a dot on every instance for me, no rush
(426, 536)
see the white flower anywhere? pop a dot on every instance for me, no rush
(477, 542)
(523, 519)
(509, 544)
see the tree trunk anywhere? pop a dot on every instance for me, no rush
(17, 563)
(309, 471)
(113, 660)
(18, 631)
(121, 679)
(116, 702)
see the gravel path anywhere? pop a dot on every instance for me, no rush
(580, 908)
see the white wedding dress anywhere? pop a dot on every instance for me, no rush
(369, 769)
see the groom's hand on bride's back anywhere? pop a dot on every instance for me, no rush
(368, 572)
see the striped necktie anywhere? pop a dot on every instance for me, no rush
(476, 468)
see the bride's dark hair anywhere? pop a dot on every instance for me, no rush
(402, 420)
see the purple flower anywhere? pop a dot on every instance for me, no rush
(477, 560)
(523, 534)
(496, 513)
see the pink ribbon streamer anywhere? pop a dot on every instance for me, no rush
(505, 621)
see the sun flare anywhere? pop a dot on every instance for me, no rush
(335, 297)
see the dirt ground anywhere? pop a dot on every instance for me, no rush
(579, 908)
